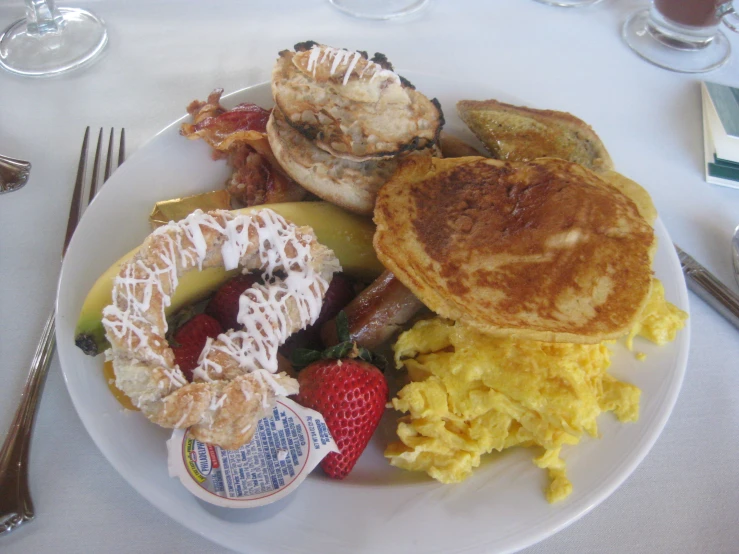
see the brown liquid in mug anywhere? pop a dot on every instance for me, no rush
(695, 13)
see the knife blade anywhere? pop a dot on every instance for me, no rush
(712, 291)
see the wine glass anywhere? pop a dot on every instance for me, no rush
(51, 40)
(379, 9)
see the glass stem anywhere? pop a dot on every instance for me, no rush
(42, 17)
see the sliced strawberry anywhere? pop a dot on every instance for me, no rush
(351, 395)
(191, 338)
(224, 306)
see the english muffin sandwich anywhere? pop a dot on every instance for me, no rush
(341, 121)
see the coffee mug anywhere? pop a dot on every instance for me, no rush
(682, 35)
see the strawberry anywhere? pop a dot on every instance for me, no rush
(350, 393)
(191, 338)
(224, 306)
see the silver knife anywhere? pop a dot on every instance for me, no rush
(703, 283)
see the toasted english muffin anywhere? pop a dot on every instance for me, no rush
(543, 250)
(519, 134)
(351, 185)
(350, 106)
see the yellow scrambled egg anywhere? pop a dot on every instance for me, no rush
(471, 393)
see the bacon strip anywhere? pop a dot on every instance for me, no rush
(240, 135)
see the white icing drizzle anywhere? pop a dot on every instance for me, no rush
(215, 404)
(185, 415)
(291, 299)
(176, 377)
(264, 309)
(340, 56)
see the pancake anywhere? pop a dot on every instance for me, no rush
(633, 190)
(519, 134)
(350, 106)
(543, 250)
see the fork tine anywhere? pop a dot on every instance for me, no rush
(74, 209)
(96, 168)
(109, 157)
(122, 148)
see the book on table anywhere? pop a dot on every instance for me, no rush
(721, 133)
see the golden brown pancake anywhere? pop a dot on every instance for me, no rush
(519, 134)
(633, 190)
(543, 250)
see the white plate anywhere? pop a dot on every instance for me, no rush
(378, 508)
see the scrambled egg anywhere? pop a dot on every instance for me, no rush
(471, 393)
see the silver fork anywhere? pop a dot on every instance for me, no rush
(16, 506)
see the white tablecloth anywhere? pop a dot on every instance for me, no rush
(684, 497)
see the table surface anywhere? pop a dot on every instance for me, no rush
(684, 497)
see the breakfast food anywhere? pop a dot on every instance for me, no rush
(348, 389)
(350, 184)
(342, 122)
(236, 382)
(472, 393)
(515, 133)
(190, 339)
(544, 250)
(345, 385)
(532, 267)
(239, 135)
(509, 278)
(351, 106)
(377, 313)
(347, 235)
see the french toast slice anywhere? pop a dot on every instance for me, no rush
(519, 134)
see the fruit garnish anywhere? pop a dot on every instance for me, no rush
(190, 340)
(344, 385)
(224, 306)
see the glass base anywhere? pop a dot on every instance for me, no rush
(569, 3)
(659, 51)
(81, 38)
(379, 9)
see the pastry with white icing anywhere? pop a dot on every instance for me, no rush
(237, 378)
